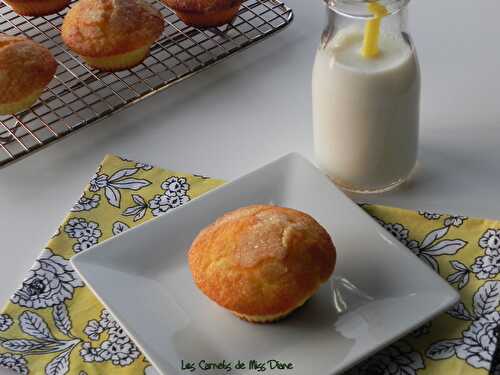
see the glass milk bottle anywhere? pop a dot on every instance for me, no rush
(366, 94)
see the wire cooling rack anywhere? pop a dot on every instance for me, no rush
(79, 96)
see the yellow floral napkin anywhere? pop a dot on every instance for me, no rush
(54, 325)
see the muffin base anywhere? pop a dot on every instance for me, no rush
(37, 8)
(262, 319)
(118, 62)
(20, 105)
(209, 19)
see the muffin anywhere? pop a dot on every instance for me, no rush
(26, 68)
(262, 262)
(112, 35)
(205, 13)
(37, 7)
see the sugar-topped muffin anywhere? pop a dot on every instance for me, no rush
(262, 262)
(112, 35)
(37, 7)
(205, 13)
(26, 68)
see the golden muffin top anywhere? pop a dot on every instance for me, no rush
(261, 260)
(201, 6)
(25, 67)
(101, 28)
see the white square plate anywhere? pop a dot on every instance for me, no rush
(379, 292)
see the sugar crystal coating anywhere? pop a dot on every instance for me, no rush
(265, 239)
(201, 6)
(25, 67)
(261, 260)
(100, 28)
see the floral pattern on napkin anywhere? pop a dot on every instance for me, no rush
(54, 325)
(464, 339)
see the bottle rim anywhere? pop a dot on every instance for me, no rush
(358, 8)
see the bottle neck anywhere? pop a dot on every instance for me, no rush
(394, 22)
(361, 8)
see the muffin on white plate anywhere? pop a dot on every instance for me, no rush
(262, 262)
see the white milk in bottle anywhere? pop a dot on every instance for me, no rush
(366, 106)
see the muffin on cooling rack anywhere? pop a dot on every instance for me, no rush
(262, 262)
(112, 35)
(26, 68)
(205, 13)
(37, 7)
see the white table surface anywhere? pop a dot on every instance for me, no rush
(256, 106)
